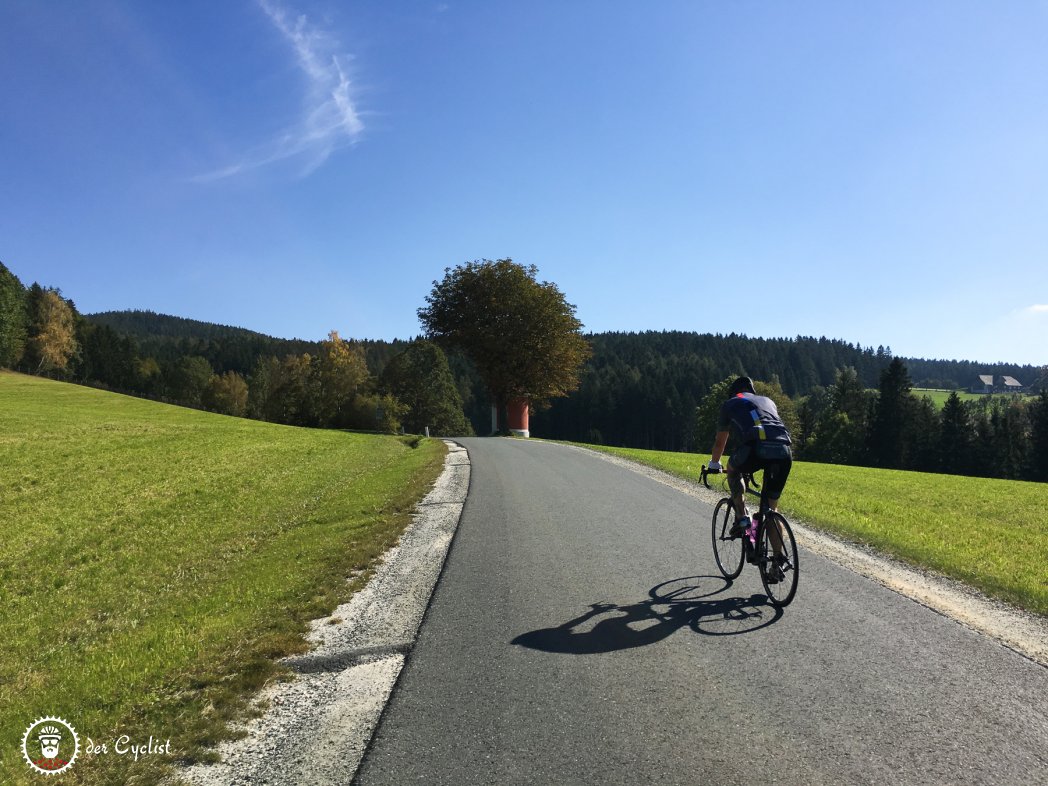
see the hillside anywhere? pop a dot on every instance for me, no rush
(156, 559)
(800, 363)
(227, 348)
(167, 338)
(149, 324)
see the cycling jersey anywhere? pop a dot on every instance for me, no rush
(754, 419)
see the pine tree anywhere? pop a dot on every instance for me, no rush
(893, 417)
(421, 379)
(956, 437)
(1039, 437)
(13, 318)
(924, 435)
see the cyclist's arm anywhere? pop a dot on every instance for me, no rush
(719, 444)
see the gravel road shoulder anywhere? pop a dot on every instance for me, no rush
(1016, 629)
(318, 725)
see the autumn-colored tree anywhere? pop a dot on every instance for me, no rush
(375, 412)
(226, 394)
(52, 332)
(521, 334)
(340, 373)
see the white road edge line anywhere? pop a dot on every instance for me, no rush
(318, 725)
(1020, 631)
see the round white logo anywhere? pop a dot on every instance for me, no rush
(50, 745)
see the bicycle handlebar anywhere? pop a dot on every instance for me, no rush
(704, 472)
(751, 484)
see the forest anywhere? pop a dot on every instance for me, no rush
(844, 403)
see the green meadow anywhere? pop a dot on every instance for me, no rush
(155, 560)
(939, 397)
(990, 534)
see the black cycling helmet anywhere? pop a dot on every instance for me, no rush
(741, 385)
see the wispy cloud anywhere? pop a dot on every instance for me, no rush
(1037, 308)
(329, 119)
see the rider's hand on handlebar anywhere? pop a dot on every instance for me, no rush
(715, 467)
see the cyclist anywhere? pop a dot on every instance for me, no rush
(765, 445)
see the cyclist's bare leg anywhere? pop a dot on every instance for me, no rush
(738, 493)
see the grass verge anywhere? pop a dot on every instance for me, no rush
(987, 533)
(156, 560)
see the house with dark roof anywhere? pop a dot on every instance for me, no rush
(987, 383)
(983, 384)
(1011, 385)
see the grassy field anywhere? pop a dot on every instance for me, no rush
(156, 559)
(990, 534)
(939, 396)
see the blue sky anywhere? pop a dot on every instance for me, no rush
(870, 171)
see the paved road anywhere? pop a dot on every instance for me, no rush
(581, 634)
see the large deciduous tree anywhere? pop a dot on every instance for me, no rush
(521, 334)
(226, 394)
(340, 373)
(52, 332)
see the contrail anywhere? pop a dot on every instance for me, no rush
(330, 117)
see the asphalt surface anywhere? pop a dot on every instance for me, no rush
(580, 633)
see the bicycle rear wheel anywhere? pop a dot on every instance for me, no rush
(726, 548)
(779, 568)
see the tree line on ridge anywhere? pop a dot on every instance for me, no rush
(844, 403)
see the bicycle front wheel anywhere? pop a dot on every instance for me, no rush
(726, 548)
(777, 559)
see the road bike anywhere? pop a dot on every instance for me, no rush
(768, 543)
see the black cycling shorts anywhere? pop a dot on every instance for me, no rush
(775, 458)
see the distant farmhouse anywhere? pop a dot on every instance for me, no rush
(987, 383)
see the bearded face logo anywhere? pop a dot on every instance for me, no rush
(57, 742)
(50, 739)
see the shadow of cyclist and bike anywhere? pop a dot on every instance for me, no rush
(690, 602)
